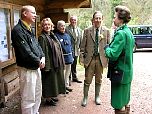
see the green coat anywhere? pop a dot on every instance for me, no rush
(120, 94)
(44, 43)
(119, 45)
(52, 78)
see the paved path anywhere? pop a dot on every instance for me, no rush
(71, 104)
(141, 94)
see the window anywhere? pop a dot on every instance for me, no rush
(142, 35)
(9, 15)
(141, 29)
(5, 53)
(16, 16)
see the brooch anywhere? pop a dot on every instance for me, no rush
(101, 36)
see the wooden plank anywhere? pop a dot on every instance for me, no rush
(8, 69)
(2, 93)
(11, 86)
(69, 4)
(11, 94)
(55, 10)
(10, 76)
(58, 16)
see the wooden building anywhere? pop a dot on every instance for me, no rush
(9, 15)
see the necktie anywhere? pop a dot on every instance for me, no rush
(74, 33)
(96, 42)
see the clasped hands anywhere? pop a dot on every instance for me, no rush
(42, 63)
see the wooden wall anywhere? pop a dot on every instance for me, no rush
(9, 79)
(44, 8)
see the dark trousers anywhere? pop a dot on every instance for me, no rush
(73, 68)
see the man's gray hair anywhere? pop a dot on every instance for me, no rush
(25, 8)
(74, 17)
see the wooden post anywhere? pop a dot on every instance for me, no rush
(2, 90)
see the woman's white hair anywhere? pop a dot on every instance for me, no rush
(59, 23)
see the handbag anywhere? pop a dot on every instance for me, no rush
(114, 74)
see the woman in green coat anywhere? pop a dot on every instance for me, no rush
(121, 50)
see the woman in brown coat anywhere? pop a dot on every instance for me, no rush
(52, 75)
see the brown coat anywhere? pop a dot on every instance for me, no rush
(52, 75)
(88, 42)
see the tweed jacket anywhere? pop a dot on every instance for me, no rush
(123, 41)
(75, 42)
(88, 43)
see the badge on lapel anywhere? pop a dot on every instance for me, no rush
(101, 36)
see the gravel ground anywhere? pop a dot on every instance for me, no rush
(141, 98)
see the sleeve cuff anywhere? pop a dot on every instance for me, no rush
(106, 47)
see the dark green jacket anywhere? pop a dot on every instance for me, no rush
(45, 45)
(52, 50)
(122, 43)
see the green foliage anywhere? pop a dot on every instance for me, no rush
(133, 21)
(85, 18)
(141, 11)
(114, 3)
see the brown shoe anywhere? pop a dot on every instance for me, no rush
(127, 109)
(117, 111)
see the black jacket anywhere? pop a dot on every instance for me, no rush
(27, 49)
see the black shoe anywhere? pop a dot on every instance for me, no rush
(67, 92)
(76, 80)
(50, 103)
(55, 99)
(70, 83)
(69, 89)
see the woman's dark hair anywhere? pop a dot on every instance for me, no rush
(123, 13)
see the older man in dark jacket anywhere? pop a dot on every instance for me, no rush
(76, 36)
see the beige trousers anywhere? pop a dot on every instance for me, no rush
(67, 72)
(30, 90)
(94, 69)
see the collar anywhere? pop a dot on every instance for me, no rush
(48, 33)
(121, 27)
(73, 27)
(96, 28)
(27, 25)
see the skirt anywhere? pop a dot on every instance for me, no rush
(120, 95)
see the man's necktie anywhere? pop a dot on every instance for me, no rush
(96, 42)
(74, 33)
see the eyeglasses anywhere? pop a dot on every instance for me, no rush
(33, 12)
